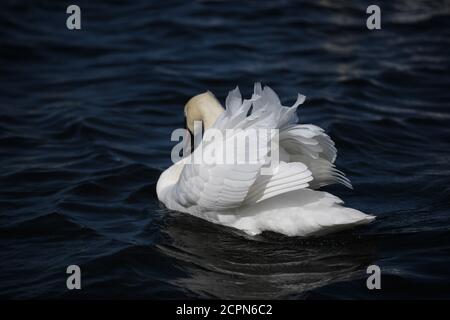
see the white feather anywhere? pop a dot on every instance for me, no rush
(240, 196)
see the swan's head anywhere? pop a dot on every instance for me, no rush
(203, 107)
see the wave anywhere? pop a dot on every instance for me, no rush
(86, 118)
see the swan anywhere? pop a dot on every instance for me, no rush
(283, 199)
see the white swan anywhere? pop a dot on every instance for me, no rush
(239, 195)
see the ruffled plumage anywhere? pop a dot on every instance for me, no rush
(285, 199)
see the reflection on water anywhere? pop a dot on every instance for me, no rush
(229, 264)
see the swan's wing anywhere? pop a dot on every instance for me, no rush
(310, 145)
(287, 177)
(218, 187)
(309, 156)
(263, 110)
(215, 187)
(310, 140)
(303, 143)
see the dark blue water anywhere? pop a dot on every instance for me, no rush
(85, 124)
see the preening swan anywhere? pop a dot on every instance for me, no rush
(244, 195)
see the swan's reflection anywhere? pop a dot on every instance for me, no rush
(223, 263)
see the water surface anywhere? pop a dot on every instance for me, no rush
(85, 124)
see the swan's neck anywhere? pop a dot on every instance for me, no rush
(203, 107)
